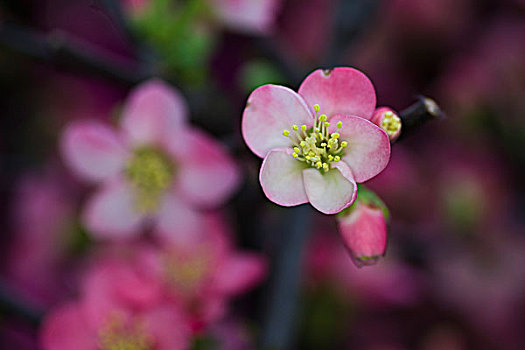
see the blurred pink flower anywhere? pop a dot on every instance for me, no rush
(364, 232)
(42, 221)
(156, 167)
(389, 283)
(204, 274)
(249, 16)
(120, 308)
(324, 155)
(245, 16)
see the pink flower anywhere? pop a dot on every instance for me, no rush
(324, 155)
(155, 168)
(204, 274)
(249, 16)
(364, 233)
(388, 120)
(120, 308)
(42, 220)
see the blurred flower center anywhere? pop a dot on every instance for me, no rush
(150, 172)
(185, 276)
(117, 336)
(315, 145)
(390, 123)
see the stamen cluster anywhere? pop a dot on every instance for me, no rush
(391, 123)
(315, 145)
(116, 336)
(150, 173)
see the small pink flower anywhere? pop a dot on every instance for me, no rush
(364, 233)
(156, 167)
(250, 16)
(316, 143)
(204, 274)
(388, 120)
(120, 308)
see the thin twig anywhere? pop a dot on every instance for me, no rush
(418, 114)
(62, 51)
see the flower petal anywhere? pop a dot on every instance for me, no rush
(332, 191)
(66, 328)
(239, 273)
(341, 90)
(179, 223)
(152, 112)
(205, 175)
(281, 178)
(92, 150)
(249, 16)
(270, 110)
(368, 151)
(110, 213)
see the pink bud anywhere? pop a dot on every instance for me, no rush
(388, 120)
(364, 233)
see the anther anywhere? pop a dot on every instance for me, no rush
(295, 155)
(295, 127)
(286, 133)
(339, 125)
(297, 149)
(323, 117)
(303, 127)
(316, 108)
(337, 158)
(335, 135)
(344, 144)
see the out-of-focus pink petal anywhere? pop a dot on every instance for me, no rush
(92, 150)
(239, 273)
(153, 112)
(364, 233)
(249, 16)
(281, 178)
(270, 110)
(111, 212)
(66, 328)
(340, 90)
(170, 329)
(332, 191)
(368, 151)
(205, 175)
(178, 222)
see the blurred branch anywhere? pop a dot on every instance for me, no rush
(349, 18)
(11, 305)
(421, 112)
(289, 69)
(281, 319)
(62, 51)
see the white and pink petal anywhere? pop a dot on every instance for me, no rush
(270, 110)
(331, 191)
(206, 175)
(368, 150)
(111, 213)
(152, 112)
(281, 178)
(93, 150)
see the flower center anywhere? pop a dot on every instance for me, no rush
(186, 274)
(150, 172)
(391, 123)
(314, 145)
(117, 336)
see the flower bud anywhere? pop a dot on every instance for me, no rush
(388, 120)
(364, 233)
